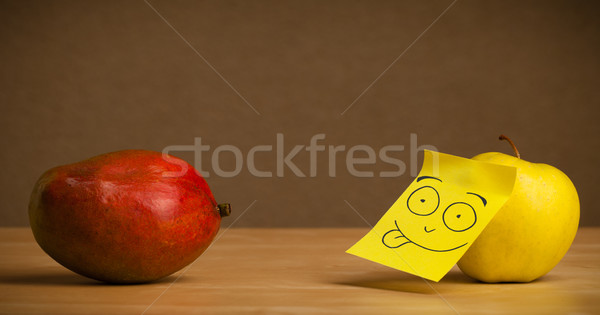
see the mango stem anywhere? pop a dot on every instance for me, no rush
(224, 209)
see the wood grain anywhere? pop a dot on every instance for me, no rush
(290, 271)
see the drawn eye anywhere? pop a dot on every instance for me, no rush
(459, 216)
(423, 201)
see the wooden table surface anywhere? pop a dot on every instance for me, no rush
(291, 271)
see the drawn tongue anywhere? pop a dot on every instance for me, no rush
(401, 240)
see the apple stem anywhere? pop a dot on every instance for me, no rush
(224, 209)
(503, 137)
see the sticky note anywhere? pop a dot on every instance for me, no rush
(435, 220)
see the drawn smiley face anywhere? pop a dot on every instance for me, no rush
(432, 223)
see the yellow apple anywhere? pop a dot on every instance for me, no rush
(534, 229)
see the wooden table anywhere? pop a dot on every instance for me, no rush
(291, 271)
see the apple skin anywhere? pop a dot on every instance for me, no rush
(532, 231)
(116, 218)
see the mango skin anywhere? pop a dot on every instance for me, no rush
(534, 229)
(117, 218)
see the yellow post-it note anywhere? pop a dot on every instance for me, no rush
(439, 215)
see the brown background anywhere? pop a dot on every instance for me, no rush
(84, 78)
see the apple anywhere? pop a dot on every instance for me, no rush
(130, 216)
(532, 231)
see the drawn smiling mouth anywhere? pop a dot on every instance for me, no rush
(403, 240)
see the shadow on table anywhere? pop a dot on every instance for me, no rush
(407, 283)
(65, 278)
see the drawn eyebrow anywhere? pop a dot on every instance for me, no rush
(426, 177)
(482, 199)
